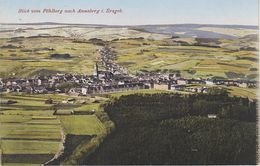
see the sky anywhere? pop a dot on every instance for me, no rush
(135, 12)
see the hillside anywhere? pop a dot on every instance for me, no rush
(202, 30)
(140, 49)
(78, 32)
(175, 130)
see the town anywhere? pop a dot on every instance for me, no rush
(113, 78)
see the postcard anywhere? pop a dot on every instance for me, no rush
(129, 82)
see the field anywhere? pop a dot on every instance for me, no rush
(31, 134)
(33, 57)
(73, 125)
(191, 61)
(142, 91)
(243, 92)
(136, 50)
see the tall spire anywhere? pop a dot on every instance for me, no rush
(96, 70)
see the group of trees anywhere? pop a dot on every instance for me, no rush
(175, 129)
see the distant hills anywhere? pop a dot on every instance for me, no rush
(181, 30)
(202, 30)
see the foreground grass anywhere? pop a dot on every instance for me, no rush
(243, 92)
(142, 91)
(82, 124)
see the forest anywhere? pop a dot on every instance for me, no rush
(175, 129)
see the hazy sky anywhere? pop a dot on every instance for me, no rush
(243, 12)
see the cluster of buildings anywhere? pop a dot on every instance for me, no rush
(112, 78)
(177, 83)
(110, 82)
(69, 83)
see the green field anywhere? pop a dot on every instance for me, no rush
(82, 125)
(243, 92)
(88, 107)
(142, 91)
(33, 57)
(29, 129)
(205, 62)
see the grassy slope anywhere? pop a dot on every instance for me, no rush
(82, 125)
(205, 61)
(29, 62)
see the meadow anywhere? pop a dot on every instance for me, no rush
(193, 58)
(191, 61)
(32, 57)
(30, 130)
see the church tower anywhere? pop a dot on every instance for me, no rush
(95, 70)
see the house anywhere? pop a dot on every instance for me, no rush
(39, 82)
(161, 86)
(182, 81)
(212, 116)
(210, 82)
(243, 84)
(40, 90)
(84, 91)
(191, 89)
(177, 87)
(219, 82)
(121, 83)
(194, 81)
(230, 83)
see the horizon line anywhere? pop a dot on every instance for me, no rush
(152, 24)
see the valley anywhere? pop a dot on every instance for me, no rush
(70, 92)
